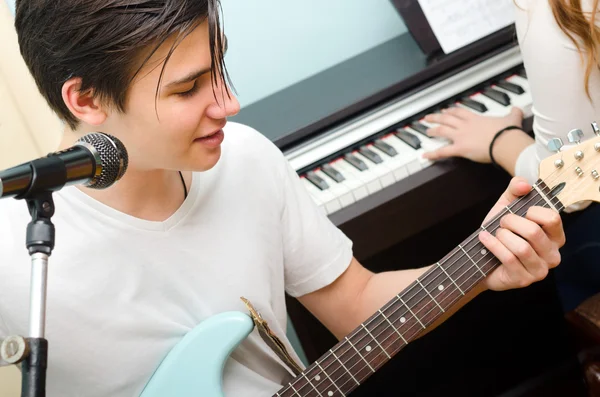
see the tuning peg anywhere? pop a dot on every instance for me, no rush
(595, 128)
(555, 144)
(575, 136)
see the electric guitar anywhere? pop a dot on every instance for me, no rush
(194, 367)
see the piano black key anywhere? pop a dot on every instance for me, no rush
(511, 87)
(501, 97)
(408, 138)
(473, 104)
(385, 148)
(521, 72)
(333, 173)
(421, 128)
(317, 180)
(371, 155)
(356, 162)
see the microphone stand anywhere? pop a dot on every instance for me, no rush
(40, 243)
(32, 352)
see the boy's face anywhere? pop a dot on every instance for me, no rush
(179, 129)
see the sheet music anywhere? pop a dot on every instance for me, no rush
(457, 23)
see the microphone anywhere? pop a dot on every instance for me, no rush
(97, 160)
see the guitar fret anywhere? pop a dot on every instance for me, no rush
(376, 341)
(451, 279)
(394, 328)
(295, 391)
(343, 366)
(547, 191)
(475, 263)
(310, 383)
(431, 296)
(327, 375)
(509, 210)
(411, 312)
(537, 188)
(361, 356)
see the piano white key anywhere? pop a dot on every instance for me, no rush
(327, 200)
(427, 145)
(442, 141)
(339, 190)
(522, 81)
(523, 101)
(383, 172)
(409, 155)
(403, 149)
(495, 109)
(397, 164)
(353, 180)
(353, 183)
(368, 179)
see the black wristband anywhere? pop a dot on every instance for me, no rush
(503, 130)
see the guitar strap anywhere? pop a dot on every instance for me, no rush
(271, 339)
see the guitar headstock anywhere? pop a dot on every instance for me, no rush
(575, 172)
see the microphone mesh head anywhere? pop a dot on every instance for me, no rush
(111, 154)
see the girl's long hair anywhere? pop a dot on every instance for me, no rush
(581, 28)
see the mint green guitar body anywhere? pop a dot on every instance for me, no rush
(194, 367)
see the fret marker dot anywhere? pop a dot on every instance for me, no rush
(330, 393)
(441, 287)
(483, 251)
(368, 348)
(317, 378)
(402, 320)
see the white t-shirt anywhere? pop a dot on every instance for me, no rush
(123, 291)
(556, 77)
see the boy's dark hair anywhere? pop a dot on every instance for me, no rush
(106, 42)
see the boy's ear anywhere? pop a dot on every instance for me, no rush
(82, 104)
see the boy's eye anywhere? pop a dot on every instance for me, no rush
(190, 92)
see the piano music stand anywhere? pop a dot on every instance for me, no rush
(419, 27)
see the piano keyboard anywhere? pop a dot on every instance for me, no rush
(386, 146)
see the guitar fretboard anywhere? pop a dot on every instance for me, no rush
(354, 359)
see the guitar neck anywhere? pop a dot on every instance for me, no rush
(354, 359)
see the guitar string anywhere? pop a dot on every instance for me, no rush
(314, 386)
(435, 307)
(494, 219)
(383, 321)
(502, 213)
(541, 201)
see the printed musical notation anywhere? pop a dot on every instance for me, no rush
(458, 23)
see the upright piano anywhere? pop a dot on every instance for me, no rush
(355, 134)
